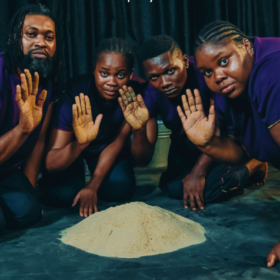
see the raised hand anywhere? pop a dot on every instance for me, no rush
(199, 128)
(133, 107)
(26, 93)
(84, 128)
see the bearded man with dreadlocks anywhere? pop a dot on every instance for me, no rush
(26, 71)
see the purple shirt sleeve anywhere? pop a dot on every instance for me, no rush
(151, 101)
(63, 113)
(264, 90)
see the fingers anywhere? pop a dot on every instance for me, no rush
(199, 202)
(81, 210)
(86, 210)
(211, 116)
(24, 90)
(132, 94)
(191, 101)
(98, 121)
(35, 85)
(88, 106)
(181, 114)
(19, 100)
(186, 200)
(121, 104)
(192, 203)
(198, 101)
(78, 103)
(75, 112)
(83, 103)
(90, 210)
(95, 208)
(76, 199)
(140, 101)
(42, 98)
(271, 258)
(29, 81)
(186, 105)
(123, 96)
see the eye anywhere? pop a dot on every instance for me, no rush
(30, 34)
(207, 72)
(49, 38)
(170, 71)
(104, 74)
(224, 62)
(153, 78)
(121, 75)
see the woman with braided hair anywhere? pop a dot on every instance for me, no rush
(244, 72)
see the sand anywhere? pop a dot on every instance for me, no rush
(133, 230)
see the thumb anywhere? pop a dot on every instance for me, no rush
(211, 116)
(98, 120)
(141, 101)
(76, 199)
(271, 258)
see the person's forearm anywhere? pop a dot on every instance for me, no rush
(225, 149)
(202, 166)
(60, 159)
(32, 166)
(10, 142)
(141, 149)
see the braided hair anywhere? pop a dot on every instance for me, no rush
(216, 32)
(13, 51)
(158, 45)
(116, 45)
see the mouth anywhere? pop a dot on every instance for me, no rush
(39, 54)
(227, 88)
(170, 91)
(110, 92)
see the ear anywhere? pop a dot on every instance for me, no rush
(248, 46)
(131, 75)
(186, 61)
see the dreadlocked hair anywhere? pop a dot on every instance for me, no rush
(216, 32)
(158, 45)
(13, 51)
(116, 45)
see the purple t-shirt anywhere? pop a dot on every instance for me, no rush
(112, 114)
(159, 104)
(250, 116)
(9, 117)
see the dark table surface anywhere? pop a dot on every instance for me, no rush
(239, 235)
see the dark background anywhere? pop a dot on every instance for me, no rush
(85, 22)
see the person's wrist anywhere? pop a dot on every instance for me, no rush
(208, 143)
(142, 129)
(22, 131)
(82, 146)
(198, 172)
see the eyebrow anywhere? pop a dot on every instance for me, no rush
(35, 28)
(217, 55)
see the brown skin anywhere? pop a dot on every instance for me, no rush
(34, 28)
(168, 74)
(111, 74)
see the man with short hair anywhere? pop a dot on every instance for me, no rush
(190, 175)
(27, 69)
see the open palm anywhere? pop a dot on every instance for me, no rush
(30, 112)
(199, 128)
(133, 107)
(83, 125)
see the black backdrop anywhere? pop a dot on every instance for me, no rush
(85, 22)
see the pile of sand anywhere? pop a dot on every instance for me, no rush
(133, 230)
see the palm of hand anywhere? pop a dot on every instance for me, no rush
(84, 129)
(135, 115)
(198, 129)
(31, 114)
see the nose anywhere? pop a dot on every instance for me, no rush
(112, 81)
(165, 83)
(220, 75)
(40, 41)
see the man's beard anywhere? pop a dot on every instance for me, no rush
(43, 66)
